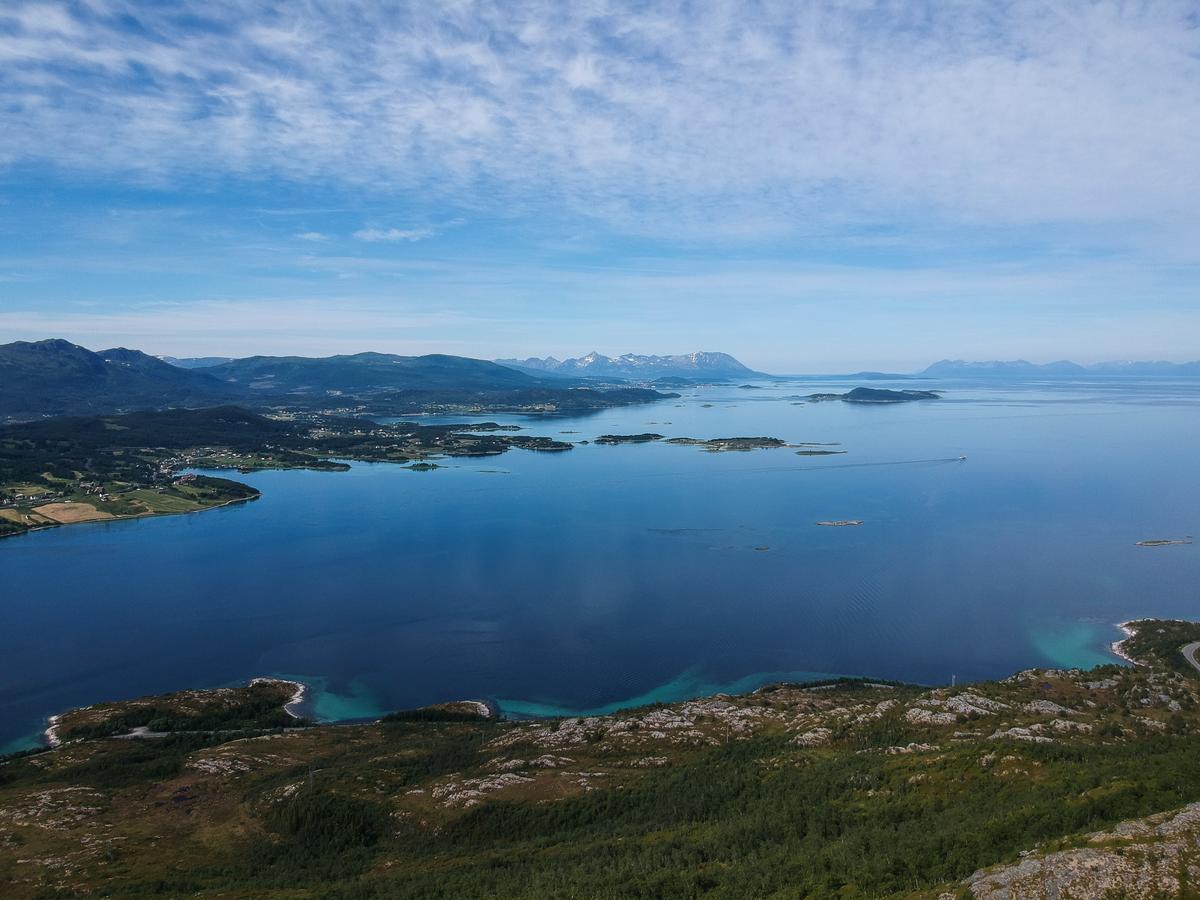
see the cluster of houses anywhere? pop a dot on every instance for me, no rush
(20, 499)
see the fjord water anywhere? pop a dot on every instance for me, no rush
(609, 576)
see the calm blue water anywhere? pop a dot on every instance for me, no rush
(613, 575)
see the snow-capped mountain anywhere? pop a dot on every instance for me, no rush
(632, 365)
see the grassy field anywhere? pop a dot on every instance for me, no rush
(162, 501)
(119, 501)
(71, 512)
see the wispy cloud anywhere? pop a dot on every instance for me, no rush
(327, 325)
(375, 235)
(776, 114)
(951, 172)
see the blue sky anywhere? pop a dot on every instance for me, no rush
(811, 187)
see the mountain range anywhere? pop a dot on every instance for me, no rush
(699, 365)
(56, 377)
(958, 368)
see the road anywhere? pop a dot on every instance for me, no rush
(1189, 653)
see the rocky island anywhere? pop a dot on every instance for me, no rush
(736, 444)
(613, 440)
(712, 445)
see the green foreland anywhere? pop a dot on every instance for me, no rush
(74, 469)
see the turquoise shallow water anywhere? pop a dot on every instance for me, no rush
(685, 686)
(609, 576)
(323, 702)
(1079, 644)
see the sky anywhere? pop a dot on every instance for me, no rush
(812, 187)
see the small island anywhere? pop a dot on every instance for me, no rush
(718, 445)
(876, 395)
(614, 439)
(735, 444)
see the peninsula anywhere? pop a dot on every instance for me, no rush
(85, 469)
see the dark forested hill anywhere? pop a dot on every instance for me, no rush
(56, 377)
(365, 372)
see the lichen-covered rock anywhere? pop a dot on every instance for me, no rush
(1139, 860)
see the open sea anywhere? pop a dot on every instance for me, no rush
(603, 577)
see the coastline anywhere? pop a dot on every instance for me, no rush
(485, 709)
(130, 518)
(51, 732)
(1115, 646)
(53, 741)
(301, 690)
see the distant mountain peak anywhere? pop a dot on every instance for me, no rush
(1020, 368)
(698, 364)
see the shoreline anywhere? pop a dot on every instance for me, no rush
(486, 709)
(297, 696)
(53, 741)
(129, 518)
(51, 732)
(1115, 646)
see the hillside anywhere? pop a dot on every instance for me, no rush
(56, 377)
(843, 789)
(367, 372)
